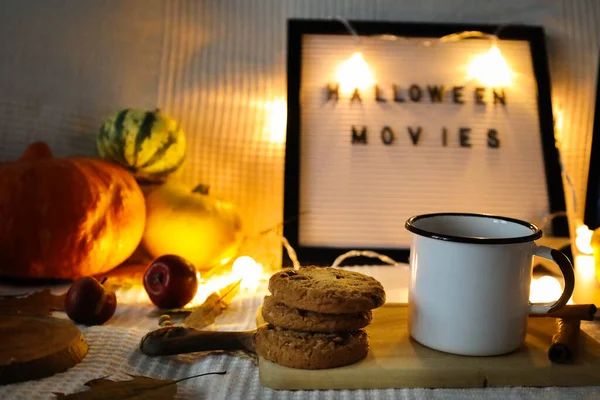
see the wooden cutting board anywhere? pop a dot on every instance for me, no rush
(397, 361)
(33, 347)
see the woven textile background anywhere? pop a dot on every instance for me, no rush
(218, 66)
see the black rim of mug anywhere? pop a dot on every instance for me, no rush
(536, 232)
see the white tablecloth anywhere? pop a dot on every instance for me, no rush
(113, 351)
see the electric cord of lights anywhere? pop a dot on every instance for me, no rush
(336, 263)
(453, 37)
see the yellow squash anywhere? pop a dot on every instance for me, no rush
(192, 224)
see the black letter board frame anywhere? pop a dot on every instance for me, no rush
(324, 256)
(592, 201)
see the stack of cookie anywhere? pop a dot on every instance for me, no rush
(315, 317)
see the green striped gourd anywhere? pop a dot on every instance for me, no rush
(147, 143)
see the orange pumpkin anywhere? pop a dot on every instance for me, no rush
(66, 218)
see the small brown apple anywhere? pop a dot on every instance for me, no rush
(88, 302)
(171, 281)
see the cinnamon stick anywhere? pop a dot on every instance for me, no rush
(581, 312)
(564, 343)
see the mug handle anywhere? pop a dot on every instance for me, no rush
(567, 271)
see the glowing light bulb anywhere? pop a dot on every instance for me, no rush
(583, 239)
(491, 69)
(559, 121)
(354, 73)
(544, 290)
(559, 118)
(277, 119)
(248, 270)
(585, 268)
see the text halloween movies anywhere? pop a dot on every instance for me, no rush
(436, 94)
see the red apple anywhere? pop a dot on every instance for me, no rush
(88, 302)
(170, 281)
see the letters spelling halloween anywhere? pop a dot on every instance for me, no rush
(415, 94)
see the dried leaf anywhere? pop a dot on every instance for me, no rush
(212, 307)
(139, 387)
(38, 303)
(217, 270)
(228, 295)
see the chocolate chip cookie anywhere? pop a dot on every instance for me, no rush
(326, 290)
(308, 350)
(283, 316)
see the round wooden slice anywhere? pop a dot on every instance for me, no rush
(34, 347)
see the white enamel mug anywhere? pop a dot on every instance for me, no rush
(470, 276)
